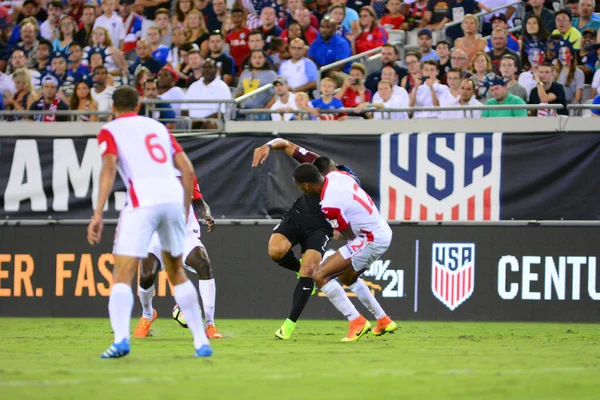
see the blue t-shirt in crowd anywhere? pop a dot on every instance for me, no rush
(161, 54)
(336, 49)
(596, 101)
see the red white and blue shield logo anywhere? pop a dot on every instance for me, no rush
(453, 272)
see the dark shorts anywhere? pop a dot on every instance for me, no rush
(308, 229)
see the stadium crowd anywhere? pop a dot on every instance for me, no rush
(72, 54)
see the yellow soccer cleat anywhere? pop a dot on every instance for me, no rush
(385, 325)
(142, 329)
(358, 328)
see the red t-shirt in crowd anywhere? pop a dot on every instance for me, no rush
(238, 45)
(371, 40)
(311, 35)
(352, 98)
(389, 22)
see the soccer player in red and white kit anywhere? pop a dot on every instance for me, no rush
(195, 259)
(144, 152)
(353, 214)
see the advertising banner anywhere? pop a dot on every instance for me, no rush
(462, 273)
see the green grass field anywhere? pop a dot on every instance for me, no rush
(58, 358)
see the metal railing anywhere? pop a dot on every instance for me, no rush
(221, 115)
(518, 3)
(344, 61)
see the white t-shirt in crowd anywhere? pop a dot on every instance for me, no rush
(451, 101)
(216, 90)
(104, 100)
(527, 80)
(596, 82)
(114, 26)
(291, 103)
(175, 93)
(397, 91)
(393, 102)
(299, 73)
(425, 99)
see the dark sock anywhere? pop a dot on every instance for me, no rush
(301, 295)
(289, 261)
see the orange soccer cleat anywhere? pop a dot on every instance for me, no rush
(143, 327)
(384, 325)
(358, 328)
(212, 332)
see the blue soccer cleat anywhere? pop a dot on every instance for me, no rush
(117, 350)
(203, 351)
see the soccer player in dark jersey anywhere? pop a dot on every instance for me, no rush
(304, 224)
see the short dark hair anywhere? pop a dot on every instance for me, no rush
(88, 5)
(547, 64)
(564, 11)
(324, 164)
(391, 46)
(443, 42)
(125, 98)
(216, 32)
(256, 32)
(510, 57)
(44, 42)
(457, 70)
(307, 173)
(151, 80)
(56, 4)
(99, 67)
(432, 62)
(237, 10)
(414, 53)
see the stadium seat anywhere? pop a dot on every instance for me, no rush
(412, 39)
(587, 93)
(588, 112)
(396, 36)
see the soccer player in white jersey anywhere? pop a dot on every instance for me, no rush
(195, 259)
(144, 152)
(353, 214)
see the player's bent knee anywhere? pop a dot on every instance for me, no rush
(279, 245)
(198, 259)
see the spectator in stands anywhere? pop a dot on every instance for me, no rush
(470, 43)
(466, 97)
(585, 19)
(459, 59)
(74, 9)
(294, 31)
(303, 103)
(159, 51)
(326, 101)
(76, 68)
(412, 60)
(545, 15)
(144, 58)
(497, 86)
(437, 10)
(429, 93)
(329, 47)
(487, 18)
(371, 35)
(350, 22)
(269, 27)
(174, 58)
(500, 21)
(49, 29)
(111, 21)
(454, 79)
(457, 9)
(568, 75)
(149, 10)
(216, 19)
(86, 26)
(96, 59)
(82, 101)
(161, 112)
(302, 16)
(337, 12)
(481, 66)
(7, 84)
(142, 74)
(29, 42)
(210, 86)
(19, 60)
(31, 8)
(224, 61)
(527, 79)
(426, 46)
(415, 13)
(132, 25)
(442, 49)
(386, 99)
(43, 53)
(572, 6)
(24, 95)
(321, 9)
(565, 28)
(196, 68)
(285, 100)
(58, 68)
(299, 71)
(509, 70)
(113, 58)
(183, 67)
(388, 73)
(196, 31)
(50, 101)
(535, 32)
(596, 112)
(259, 73)
(353, 91)
(499, 41)
(67, 27)
(547, 91)
(237, 39)
(587, 57)
(394, 19)
(167, 90)
(256, 41)
(389, 56)
(101, 92)
(182, 8)
(162, 19)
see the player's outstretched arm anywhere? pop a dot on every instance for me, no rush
(107, 179)
(300, 154)
(202, 205)
(183, 164)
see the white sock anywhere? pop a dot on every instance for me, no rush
(187, 299)
(208, 294)
(365, 296)
(338, 298)
(146, 300)
(120, 306)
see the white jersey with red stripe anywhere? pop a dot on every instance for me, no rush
(344, 202)
(144, 149)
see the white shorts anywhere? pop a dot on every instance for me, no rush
(136, 226)
(191, 241)
(363, 252)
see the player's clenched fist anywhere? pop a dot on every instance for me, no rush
(94, 230)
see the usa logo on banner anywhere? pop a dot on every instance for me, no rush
(453, 272)
(440, 176)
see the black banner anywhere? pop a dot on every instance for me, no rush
(429, 273)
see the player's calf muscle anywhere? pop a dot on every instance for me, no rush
(149, 271)
(198, 259)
